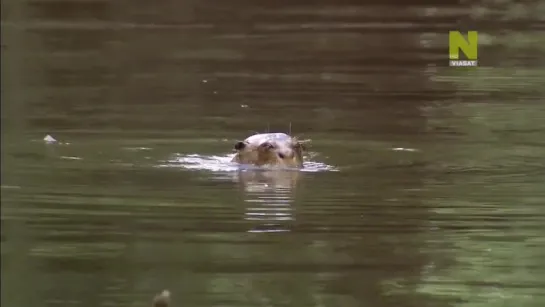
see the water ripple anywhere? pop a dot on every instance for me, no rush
(217, 163)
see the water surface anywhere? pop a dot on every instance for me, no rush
(423, 185)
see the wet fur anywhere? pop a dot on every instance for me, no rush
(270, 152)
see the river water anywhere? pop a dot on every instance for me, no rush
(423, 185)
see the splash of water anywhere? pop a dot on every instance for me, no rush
(216, 163)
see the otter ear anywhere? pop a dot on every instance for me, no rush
(239, 145)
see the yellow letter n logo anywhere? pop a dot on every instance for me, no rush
(457, 42)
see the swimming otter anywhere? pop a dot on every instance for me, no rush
(273, 149)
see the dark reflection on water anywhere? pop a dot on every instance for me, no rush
(424, 184)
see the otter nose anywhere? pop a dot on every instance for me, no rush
(285, 154)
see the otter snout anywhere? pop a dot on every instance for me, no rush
(285, 153)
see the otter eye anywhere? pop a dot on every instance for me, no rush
(239, 145)
(267, 145)
(281, 155)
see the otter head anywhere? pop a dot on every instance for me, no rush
(270, 149)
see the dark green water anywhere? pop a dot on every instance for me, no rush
(424, 184)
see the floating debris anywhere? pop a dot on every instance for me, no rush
(138, 148)
(403, 149)
(49, 139)
(71, 158)
(162, 299)
(10, 187)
